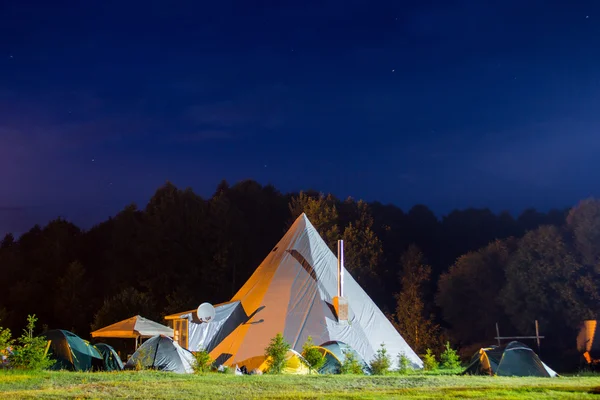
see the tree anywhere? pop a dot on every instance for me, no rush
(362, 249)
(469, 293)
(350, 364)
(544, 282)
(429, 361)
(412, 321)
(276, 353)
(583, 222)
(312, 355)
(7, 241)
(322, 212)
(125, 304)
(30, 352)
(380, 364)
(404, 364)
(203, 362)
(449, 358)
(70, 299)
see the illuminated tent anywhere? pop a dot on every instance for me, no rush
(133, 328)
(335, 355)
(72, 352)
(163, 354)
(292, 292)
(513, 359)
(295, 364)
(586, 343)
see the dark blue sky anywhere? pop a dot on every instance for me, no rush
(446, 103)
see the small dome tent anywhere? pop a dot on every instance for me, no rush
(513, 359)
(112, 361)
(335, 355)
(72, 352)
(295, 364)
(163, 354)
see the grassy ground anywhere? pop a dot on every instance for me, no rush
(145, 385)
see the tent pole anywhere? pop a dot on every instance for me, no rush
(340, 289)
(498, 333)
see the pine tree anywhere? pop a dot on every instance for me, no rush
(418, 329)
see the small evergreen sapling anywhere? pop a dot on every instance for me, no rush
(404, 364)
(31, 352)
(449, 358)
(429, 361)
(312, 355)
(276, 353)
(381, 363)
(204, 362)
(351, 365)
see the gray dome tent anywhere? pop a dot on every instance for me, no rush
(162, 353)
(513, 359)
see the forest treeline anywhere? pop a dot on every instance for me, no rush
(449, 278)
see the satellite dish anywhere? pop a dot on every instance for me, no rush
(206, 312)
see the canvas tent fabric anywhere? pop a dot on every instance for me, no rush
(587, 343)
(332, 365)
(134, 327)
(295, 364)
(206, 336)
(164, 354)
(336, 357)
(71, 352)
(291, 292)
(513, 359)
(112, 361)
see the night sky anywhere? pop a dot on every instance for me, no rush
(446, 103)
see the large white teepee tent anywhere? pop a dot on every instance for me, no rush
(292, 292)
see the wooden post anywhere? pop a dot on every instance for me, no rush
(537, 334)
(498, 333)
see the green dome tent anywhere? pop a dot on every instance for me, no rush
(72, 352)
(513, 359)
(112, 361)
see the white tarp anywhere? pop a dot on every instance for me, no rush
(205, 336)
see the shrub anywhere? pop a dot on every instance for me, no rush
(429, 361)
(404, 364)
(449, 358)
(31, 352)
(5, 339)
(6, 342)
(312, 355)
(351, 365)
(380, 364)
(203, 363)
(275, 353)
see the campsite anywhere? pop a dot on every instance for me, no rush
(300, 327)
(299, 199)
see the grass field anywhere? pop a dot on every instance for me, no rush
(146, 385)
